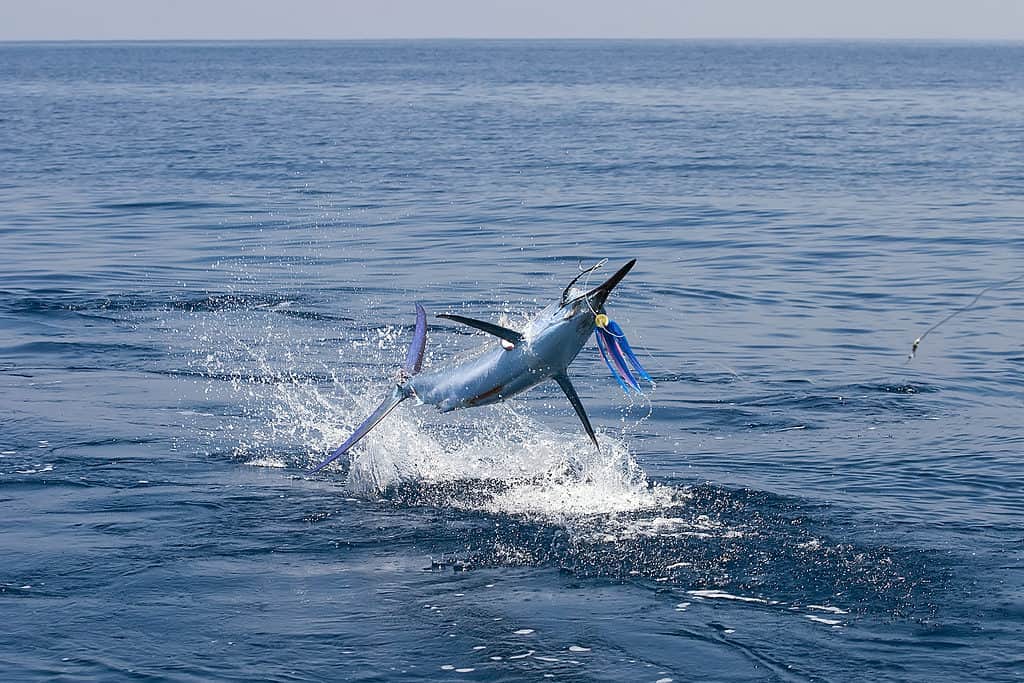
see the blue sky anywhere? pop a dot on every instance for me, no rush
(324, 19)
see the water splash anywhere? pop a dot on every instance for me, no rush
(495, 459)
(536, 496)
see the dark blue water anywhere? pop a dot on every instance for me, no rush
(209, 255)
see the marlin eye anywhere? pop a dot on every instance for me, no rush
(572, 311)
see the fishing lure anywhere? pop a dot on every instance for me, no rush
(615, 350)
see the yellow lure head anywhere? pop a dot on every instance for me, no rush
(601, 320)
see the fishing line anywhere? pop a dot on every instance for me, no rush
(586, 282)
(583, 271)
(977, 297)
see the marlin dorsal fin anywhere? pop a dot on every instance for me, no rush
(511, 336)
(414, 357)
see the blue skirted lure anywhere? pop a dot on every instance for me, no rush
(615, 350)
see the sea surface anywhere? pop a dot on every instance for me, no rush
(209, 259)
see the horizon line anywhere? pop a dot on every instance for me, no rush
(761, 39)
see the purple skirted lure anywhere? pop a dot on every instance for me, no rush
(615, 350)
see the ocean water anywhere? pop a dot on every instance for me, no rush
(209, 256)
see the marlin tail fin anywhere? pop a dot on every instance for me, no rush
(413, 363)
(397, 396)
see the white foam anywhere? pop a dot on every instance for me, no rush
(578, 648)
(722, 595)
(823, 620)
(524, 632)
(40, 469)
(828, 608)
(276, 463)
(546, 473)
(700, 526)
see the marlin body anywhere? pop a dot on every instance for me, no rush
(542, 350)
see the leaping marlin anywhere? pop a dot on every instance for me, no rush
(542, 350)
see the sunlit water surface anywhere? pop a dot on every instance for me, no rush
(210, 255)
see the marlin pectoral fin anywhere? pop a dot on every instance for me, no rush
(414, 357)
(508, 335)
(397, 396)
(574, 399)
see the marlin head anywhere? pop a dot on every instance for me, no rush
(611, 340)
(595, 297)
(559, 331)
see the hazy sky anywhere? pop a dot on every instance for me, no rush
(241, 19)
